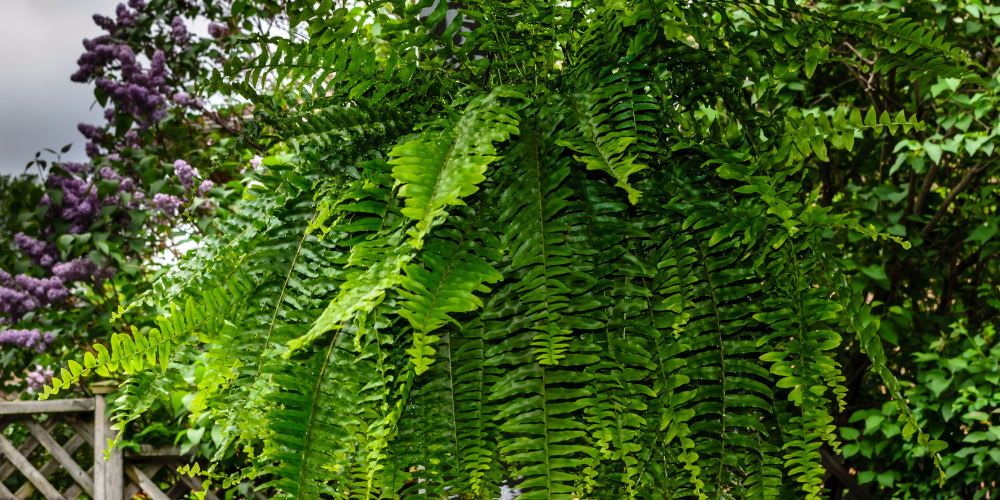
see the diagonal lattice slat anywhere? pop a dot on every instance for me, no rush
(145, 482)
(27, 447)
(50, 468)
(22, 464)
(58, 453)
(150, 470)
(5, 494)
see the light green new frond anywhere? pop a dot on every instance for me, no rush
(441, 281)
(441, 167)
(132, 353)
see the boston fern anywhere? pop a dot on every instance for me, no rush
(569, 245)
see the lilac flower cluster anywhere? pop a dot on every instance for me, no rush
(140, 94)
(77, 168)
(30, 339)
(178, 31)
(205, 186)
(80, 205)
(185, 99)
(169, 204)
(255, 163)
(38, 378)
(83, 269)
(185, 173)
(24, 294)
(110, 174)
(39, 252)
(217, 30)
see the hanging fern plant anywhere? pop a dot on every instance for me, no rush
(569, 246)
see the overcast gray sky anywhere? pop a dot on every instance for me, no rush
(39, 105)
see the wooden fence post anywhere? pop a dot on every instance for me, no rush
(108, 475)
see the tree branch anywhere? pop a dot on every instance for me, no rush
(957, 190)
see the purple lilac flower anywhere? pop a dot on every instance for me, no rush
(205, 186)
(169, 204)
(79, 269)
(136, 202)
(39, 252)
(127, 185)
(179, 31)
(39, 378)
(125, 18)
(6, 279)
(140, 94)
(93, 151)
(185, 173)
(15, 303)
(185, 99)
(137, 4)
(25, 294)
(91, 132)
(83, 269)
(106, 23)
(218, 30)
(30, 339)
(110, 174)
(132, 138)
(45, 290)
(80, 205)
(76, 168)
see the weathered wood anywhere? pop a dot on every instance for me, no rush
(116, 474)
(100, 444)
(83, 429)
(150, 470)
(75, 490)
(147, 484)
(51, 406)
(59, 454)
(28, 470)
(27, 447)
(5, 494)
(50, 467)
(150, 451)
(190, 481)
(178, 489)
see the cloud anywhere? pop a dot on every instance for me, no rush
(39, 106)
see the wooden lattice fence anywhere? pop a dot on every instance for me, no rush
(121, 477)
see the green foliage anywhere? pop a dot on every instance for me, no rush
(597, 259)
